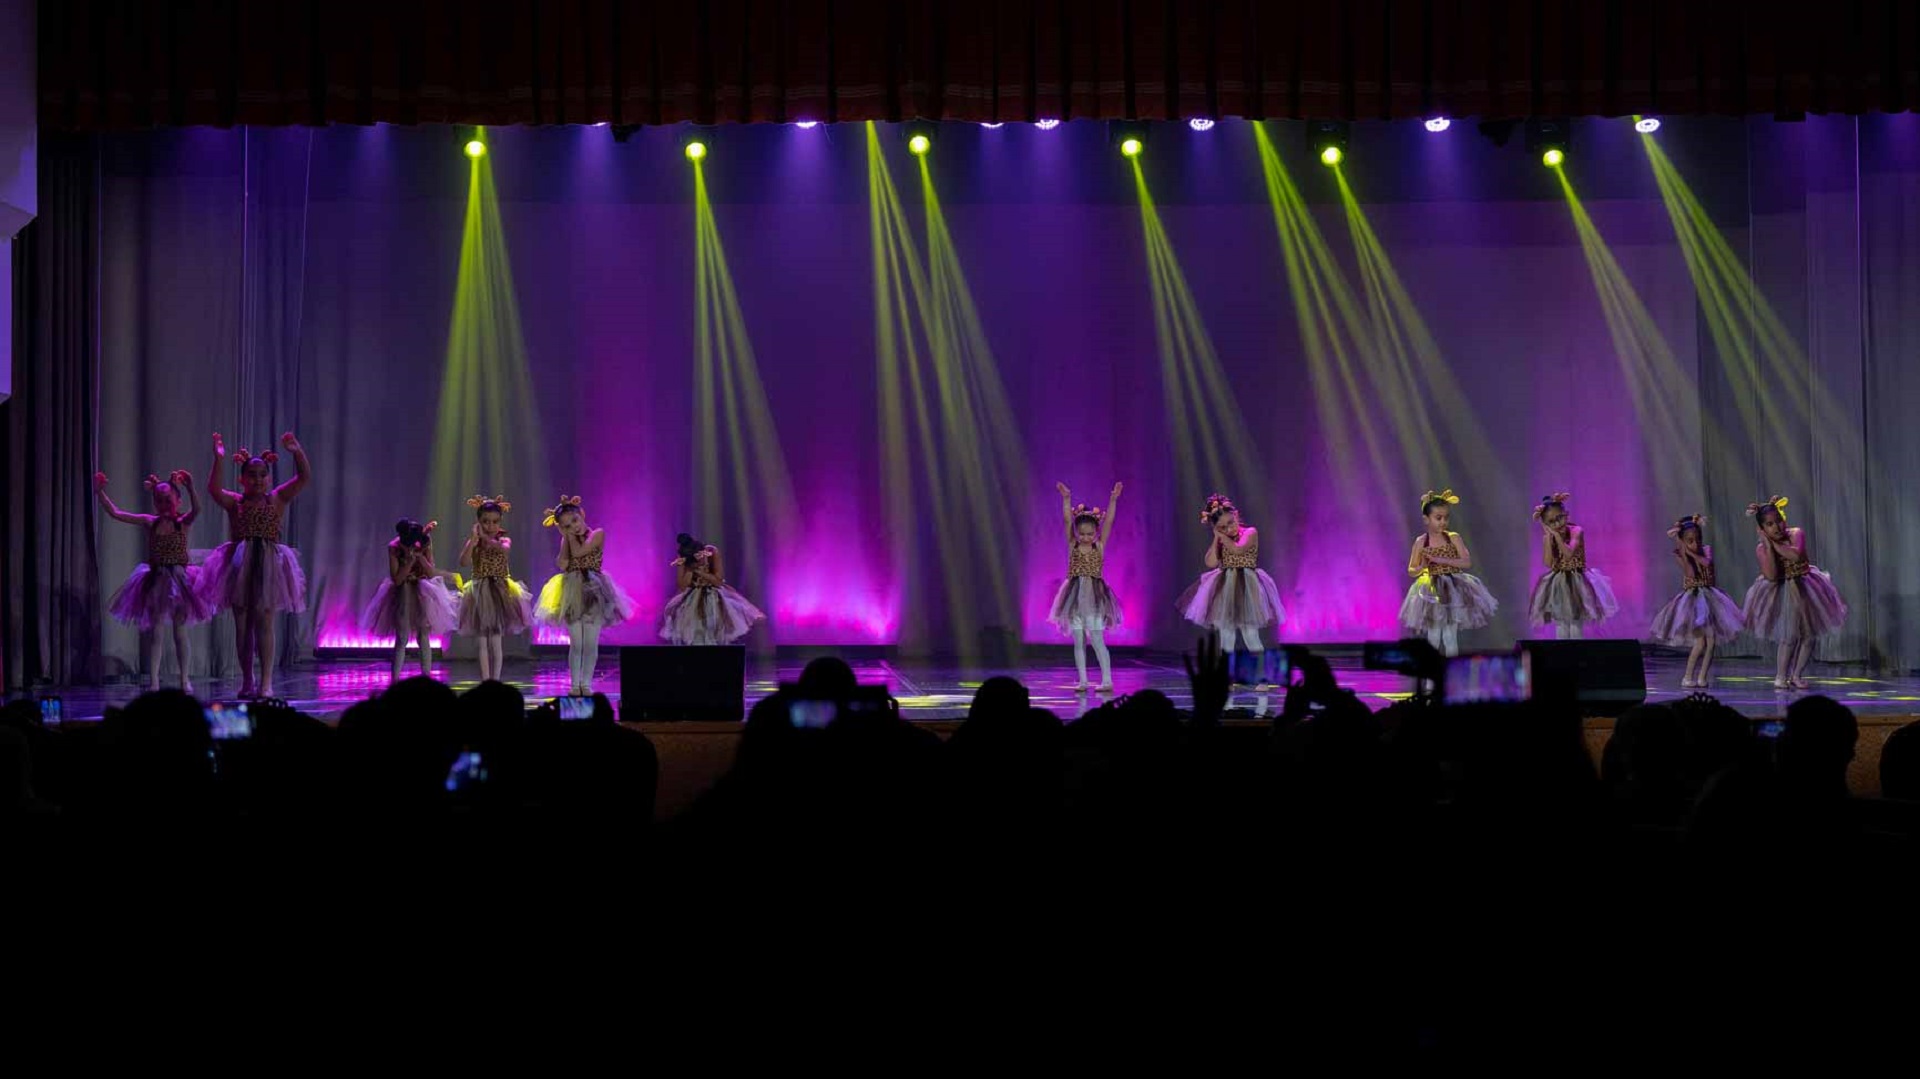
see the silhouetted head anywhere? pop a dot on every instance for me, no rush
(1817, 742)
(827, 678)
(1900, 764)
(999, 696)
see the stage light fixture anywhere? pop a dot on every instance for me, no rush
(1200, 123)
(919, 135)
(994, 126)
(806, 125)
(476, 148)
(1046, 125)
(1549, 139)
(602, 123)
(1646, 125)
(696, 142)
(1439, 124)
(1128, 136)
(1328, 138)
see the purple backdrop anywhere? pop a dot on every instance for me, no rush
(261, 280)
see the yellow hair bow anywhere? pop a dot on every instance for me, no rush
(567, 502)
(499, 500)
(1446, 496)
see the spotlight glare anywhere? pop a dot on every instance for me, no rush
(696, 151)
(1131, 147)
(919, 144)
(602, 123)
(994, 126)
(476, 148)
(1553, 158)
(1200, 123)
(1438, 124)
(806, 125)
(1047, 124)
(1647, 125)
(1331, 156)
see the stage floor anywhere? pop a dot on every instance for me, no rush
(941, 692)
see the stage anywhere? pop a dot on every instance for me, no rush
(932, 691)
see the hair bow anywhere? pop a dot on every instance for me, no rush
(151, 481)
(1446, 496)
(1694, 520)
(480, 500)
(1084, 510)
(1215, 504)
(1778, 504)
(567, 502)
(1558, 498)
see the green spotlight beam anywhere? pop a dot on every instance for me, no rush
(1206, 422)
(487, 433)
(729, 395)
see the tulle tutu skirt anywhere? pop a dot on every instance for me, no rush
(490, 605)
(159, 596)
(1697, 613)
(1459, 600)
(583, 596)
(1237, 598)
(1084, 602)
(709, 614)
(1795, 609)
(1573, 598)
(253, 575)
(406, 610)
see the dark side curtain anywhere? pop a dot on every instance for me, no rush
(48, 575)
(142, 63)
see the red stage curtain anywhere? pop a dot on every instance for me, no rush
(136, 63)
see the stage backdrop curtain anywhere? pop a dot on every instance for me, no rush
(51, 624)
(140, 63)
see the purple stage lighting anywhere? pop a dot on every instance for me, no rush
(1046, 125)
(1200, 123)
(1439, 123)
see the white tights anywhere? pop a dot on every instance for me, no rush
(583, 654)
(1568, 631)
(400, 655)
(1082, 634)
(1248, 634)
(493, 649)
(1444, 639)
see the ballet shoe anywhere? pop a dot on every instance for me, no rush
(1106, 687)
(1079, 687)
(1782, 684)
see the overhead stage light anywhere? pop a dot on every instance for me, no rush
(1549, 139)
(695, 142)
(1046, 125)
(1200, 123)
(806, 125)
(1328, 138)
(1438, 124)
(1646, 125)
(919, 136)
(1128, 136)
(696, 150)
(993, 126)
(476, 148)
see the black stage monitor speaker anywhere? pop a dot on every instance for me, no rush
(683, 682)
(1605, 677)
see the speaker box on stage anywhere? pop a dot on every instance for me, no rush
(667, 682)
(1605, 677)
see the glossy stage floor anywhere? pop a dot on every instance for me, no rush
(936, 692)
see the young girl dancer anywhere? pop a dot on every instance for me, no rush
(413, 602)
(1085, 608)
(1444, 598)
(164, 590)
(1701, 615)
(1794, 602)
(1569, 595)
(705, 611)
(1234, 597)
(493, 604)
(581, 596)
(253, 574)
